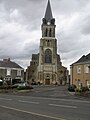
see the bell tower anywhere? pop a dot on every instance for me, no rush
(48, 23)
(47, 69)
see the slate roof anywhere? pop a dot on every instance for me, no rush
(48, 14)
(35, 56)
(84, 59)
(10, 64)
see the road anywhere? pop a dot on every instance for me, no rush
(39, 106)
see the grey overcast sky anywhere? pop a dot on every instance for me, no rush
(20, 29)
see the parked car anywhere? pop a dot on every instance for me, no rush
(20, 84)
(24, 86)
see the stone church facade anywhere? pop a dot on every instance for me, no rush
(46, 67)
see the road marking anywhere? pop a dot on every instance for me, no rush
(58, 99)
(62, 106)
(5, 99)
(28, 102)
(37, 114)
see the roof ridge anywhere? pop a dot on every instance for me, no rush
(10, 64)
(84, 58)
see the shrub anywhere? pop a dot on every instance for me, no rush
(83, 89)
(72, 88)
(78, 90)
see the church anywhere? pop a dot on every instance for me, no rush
(46, 66)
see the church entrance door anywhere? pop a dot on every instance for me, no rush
(47, 82)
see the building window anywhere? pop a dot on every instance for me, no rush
(8, 71)
(18, 72)
(46, 32)
(48, 56)
(50, 33)
(87, 82)
(87, 69)
(78, 69)
(48, 43)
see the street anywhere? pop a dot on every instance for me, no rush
(39, 106)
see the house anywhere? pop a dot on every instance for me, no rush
(11, 72)
(46, 66)
(80, 71)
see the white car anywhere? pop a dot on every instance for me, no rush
(21, 84)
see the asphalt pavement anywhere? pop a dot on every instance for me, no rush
(44, 103)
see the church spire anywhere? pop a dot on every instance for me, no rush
(48, 23)
(48, 14)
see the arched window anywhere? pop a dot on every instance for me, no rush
(48, 43)
(46, 32)
(48, 56)
(50, 33)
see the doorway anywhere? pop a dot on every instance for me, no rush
(47, 82)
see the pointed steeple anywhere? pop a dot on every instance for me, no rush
(48, 14)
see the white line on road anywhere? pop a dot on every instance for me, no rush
(5, 99)
(28, 102)
(62, 106)
(32, 113)
(58, 99)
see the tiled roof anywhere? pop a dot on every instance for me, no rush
(9, 64)
(84, 59)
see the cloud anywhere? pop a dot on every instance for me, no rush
(86, 26)
(20, 28)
